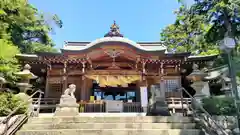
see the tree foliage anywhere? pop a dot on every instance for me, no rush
(219, 105)
(8, 62)
(221, 16)
(201, 26)
(23, 29)
(25, 26)
(186, 34)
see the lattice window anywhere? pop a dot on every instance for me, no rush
(57, 87)
(171, 85)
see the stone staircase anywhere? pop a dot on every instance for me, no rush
(104, 125)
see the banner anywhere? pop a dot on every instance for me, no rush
(144, 96)
(114, 80)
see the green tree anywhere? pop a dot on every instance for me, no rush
(23, 29)
(186, 34)
(25, 26)
(223, 16)
(8, 62)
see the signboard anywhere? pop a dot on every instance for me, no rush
(144, 96)
(114, 106)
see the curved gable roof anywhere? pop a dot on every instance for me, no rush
(142, 46)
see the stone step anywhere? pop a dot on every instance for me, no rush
(109, 126)
(111, 132)
(138, 119)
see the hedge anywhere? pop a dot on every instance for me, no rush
(8, 102)
(219, 105)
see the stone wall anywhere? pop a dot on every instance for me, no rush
(3, 126)
(228, 122)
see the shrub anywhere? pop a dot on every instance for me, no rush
(219, 105)
(9, 102)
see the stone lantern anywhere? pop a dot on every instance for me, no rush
(226, 86)
(25, 76)
(201, 87)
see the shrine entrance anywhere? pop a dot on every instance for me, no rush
(112, 68)
(124, 94)
(115, 86)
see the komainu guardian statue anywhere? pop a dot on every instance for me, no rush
(68, 105)
(70, 90)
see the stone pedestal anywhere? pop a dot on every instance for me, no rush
(228, 93)
(145, 109)
(67, 106)
(158, 105)
(158, 108)
(202, 90)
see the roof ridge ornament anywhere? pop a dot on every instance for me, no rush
(114, 31)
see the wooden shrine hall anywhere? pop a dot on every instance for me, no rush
(112, 68)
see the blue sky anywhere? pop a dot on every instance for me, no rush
(87, 20)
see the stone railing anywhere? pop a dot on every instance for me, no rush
(179, 105)
(176, 105)
(49, 105)
(204, 120)
(11, 121)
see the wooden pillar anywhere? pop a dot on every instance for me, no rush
(162, 87)
(46, 94)
(89, 84)
(162, 82)
(64, 77)
(78, 83)
(83, 92)
(83, 89)
(46, 86)
(150, 81)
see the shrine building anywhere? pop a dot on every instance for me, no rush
(112, 68)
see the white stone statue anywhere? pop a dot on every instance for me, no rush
(68, 105)
(70, 90)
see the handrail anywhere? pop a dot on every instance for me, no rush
(38, 102)
(209, 125)
(48, 100)
(21, 118)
